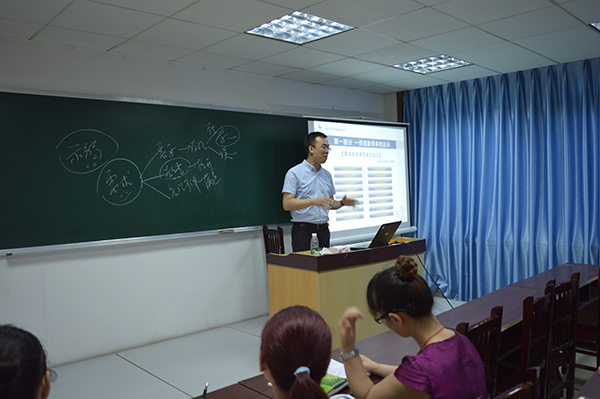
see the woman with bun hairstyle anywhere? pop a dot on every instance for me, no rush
(447, 365)
(294, 354)
(23, 370)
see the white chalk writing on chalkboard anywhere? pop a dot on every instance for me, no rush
(86, 150)
(172, 171)
(120, 182)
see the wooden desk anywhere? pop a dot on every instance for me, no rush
(389, 348)
(588, 279)
(252, 386)
(588, 275)
(510, 297)
(258, 384)
(234, 391)
(331, 283)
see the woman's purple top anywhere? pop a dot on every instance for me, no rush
(449, 369)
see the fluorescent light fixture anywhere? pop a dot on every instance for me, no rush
(595, 25)
(433, 64)
(299, 28)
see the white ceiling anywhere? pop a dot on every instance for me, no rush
(497, 36)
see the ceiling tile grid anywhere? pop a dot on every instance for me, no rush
(18, 29)
(69, 37)
(497, 36)
(104, 19)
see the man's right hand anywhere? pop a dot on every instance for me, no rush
(324, 202)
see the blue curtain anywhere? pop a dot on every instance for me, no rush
(505, 175)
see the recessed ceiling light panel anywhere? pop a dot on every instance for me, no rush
(299, 28)
(433, 64)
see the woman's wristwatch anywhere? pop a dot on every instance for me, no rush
(349, 355)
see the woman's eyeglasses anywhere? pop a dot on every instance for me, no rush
(378, 319)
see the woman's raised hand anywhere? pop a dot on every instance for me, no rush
(347, 328)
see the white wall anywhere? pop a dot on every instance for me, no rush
(84, 303)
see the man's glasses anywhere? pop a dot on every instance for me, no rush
(326, 148)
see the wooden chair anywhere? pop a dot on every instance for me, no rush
(562, 346)
(536, 334)
(485, 336)
(526, 390)
(273, 240)
(588, 338)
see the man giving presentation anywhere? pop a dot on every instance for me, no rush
(308, 192)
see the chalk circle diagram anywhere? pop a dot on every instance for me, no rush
(120, 182)
(174, 169)
(226, 136)
(86, 150)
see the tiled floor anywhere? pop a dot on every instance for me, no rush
(179, 368)
(176, 369)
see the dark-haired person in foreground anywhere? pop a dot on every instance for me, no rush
(295, 350)
(308, 192)
(447, 365)
(23, 370)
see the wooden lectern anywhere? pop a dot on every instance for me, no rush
(331, 283)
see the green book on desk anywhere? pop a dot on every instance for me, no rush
(333, 384)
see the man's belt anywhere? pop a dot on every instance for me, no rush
(321, 226)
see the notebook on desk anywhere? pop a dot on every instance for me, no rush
(384, 235)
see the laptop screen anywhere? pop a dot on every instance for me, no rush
(384, 235)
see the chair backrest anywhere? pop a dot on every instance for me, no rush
(588, 336)
(536, 335)
(525, 390)
(564, 327)
(273, 240)
(485, 336)
(564, 319)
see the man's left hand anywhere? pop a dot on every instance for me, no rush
(348, 201)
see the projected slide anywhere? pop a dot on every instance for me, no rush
(369, 163)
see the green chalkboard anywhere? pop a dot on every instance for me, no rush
(80, 170)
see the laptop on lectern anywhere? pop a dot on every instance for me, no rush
(384, 235)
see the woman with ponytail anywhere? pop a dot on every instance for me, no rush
(447, 365)
(295, 350)
(23, 370)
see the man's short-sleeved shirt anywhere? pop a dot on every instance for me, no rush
(303, 181)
